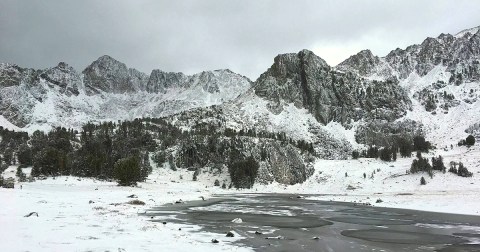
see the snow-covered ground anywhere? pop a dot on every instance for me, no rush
(68, 221)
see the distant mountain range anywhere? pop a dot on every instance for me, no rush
(430, 88)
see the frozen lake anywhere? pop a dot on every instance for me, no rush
(275, 222)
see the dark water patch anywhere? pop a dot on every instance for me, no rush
(460, 248)
(370, 221)
(260, 219)
(402, 237)
(467, 235)
(290, 223)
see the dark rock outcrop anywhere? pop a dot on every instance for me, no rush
(208, 81)
(308, 81)
(109, 75)
(160, 81)
(278, 161)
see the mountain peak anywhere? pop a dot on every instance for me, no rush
(106, 58)
(62, 65)
(290, 61)
(362, 63)
(110, 75)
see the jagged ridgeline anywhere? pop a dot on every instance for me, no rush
(107, 90)
(459, 55)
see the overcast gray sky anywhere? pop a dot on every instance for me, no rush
(191, 36)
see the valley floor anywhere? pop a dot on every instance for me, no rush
(91, 215)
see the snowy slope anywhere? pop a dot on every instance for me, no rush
(251, 111)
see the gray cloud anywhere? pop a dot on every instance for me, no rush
(192, 36)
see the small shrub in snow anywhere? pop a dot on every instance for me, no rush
(217, 183)
(136, 202)
(372, 152)
(355, 154)
(20, 175)
(171, 163)
(224, 186)
(463, 171)
(127, 171)
(195, 174)
(470, 140)
(453, 167)
(364, 175)
(385, 155)
(419, 144)
(421, 165)
(437, 164)
(388, 154)
(422, 181)
(8, 183)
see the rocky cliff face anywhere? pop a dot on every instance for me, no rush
(160, 81)
(330, 95)
(279, 162)
(209, 81)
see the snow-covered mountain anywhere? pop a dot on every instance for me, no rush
(441, 76)
(429, 88)
(106, 90)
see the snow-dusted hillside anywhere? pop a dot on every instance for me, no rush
(390, 183)
(252, 112)
(456, 108)
(107, 91)
(441, 77)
